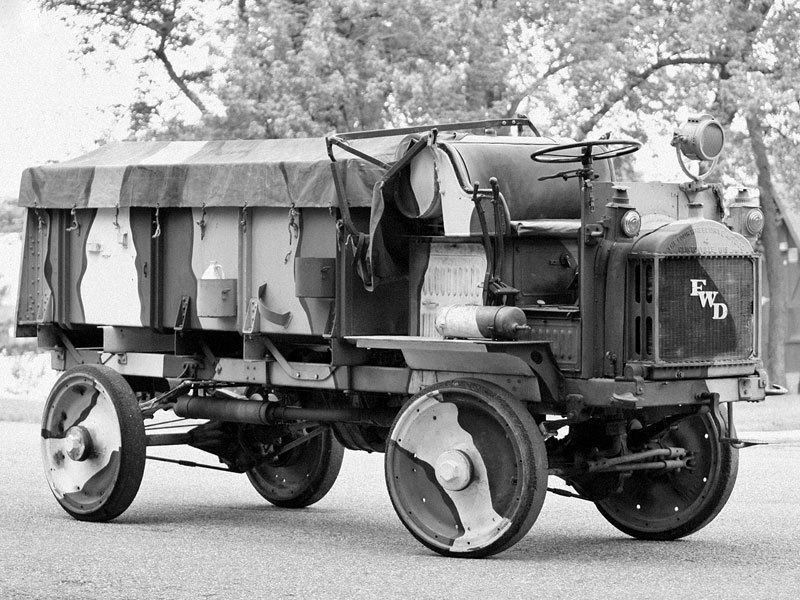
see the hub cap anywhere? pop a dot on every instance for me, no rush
(77, 442)
(453, 470)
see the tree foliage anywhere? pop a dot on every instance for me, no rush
(158, 29)
(306, 67)
(303, 67)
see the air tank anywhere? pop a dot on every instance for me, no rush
(494, 322)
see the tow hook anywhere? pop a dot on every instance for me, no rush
(727, 438)
(773, 389)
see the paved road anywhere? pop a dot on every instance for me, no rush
(200, 534)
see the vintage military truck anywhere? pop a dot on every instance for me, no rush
(488, 309)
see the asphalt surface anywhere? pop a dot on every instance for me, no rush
(199, 534)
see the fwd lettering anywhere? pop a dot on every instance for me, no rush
(707, 299)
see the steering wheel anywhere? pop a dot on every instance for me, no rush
(590, 151)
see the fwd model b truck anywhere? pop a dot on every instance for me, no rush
(487, 306)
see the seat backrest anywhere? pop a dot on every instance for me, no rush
(509, 161)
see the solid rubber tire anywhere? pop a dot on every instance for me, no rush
(133, 440)
(325, 463)
(531, 448)
(719, 490)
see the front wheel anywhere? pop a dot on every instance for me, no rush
(673, 504)
(93, 443)
(466, 468)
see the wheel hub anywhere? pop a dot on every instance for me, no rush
(78, 443)
(453, 470)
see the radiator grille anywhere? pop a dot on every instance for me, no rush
(705, 309)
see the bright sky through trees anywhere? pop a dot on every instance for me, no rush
(49, 108)
(56, 103)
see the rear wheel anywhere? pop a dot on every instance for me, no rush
(673, 504)
(466, 468)
(93, 443)
(299, 475)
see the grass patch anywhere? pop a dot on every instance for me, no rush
(25, 381)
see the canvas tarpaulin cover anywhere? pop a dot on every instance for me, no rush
(276, 172)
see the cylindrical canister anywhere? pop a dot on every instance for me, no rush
(497, 322)
(252, 411)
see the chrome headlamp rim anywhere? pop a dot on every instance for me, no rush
(631, 223)
(701, 138)
(754, 221)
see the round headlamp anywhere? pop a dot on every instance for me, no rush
(700, 138)
(631, 223)
(754, 222)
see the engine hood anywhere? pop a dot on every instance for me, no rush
(692, 237)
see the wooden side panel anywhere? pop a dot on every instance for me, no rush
(215, 254)
(35, 298)
(279, 236)
(176, 275)
(114, 267)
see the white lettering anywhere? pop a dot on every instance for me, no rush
(707, 299)
(697, 285)
(720, 311)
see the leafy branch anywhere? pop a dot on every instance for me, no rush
(159, 18)
(636, 79)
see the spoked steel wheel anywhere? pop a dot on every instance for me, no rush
(93, 443)
(466, 468)
(673, 504)
(301, 475)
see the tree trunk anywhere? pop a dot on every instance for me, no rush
(776, 350)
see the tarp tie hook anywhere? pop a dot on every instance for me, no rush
(202, 222)
(38, 212)
(243, 218)
(294, 230)
(157, 222)
(75, 225)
